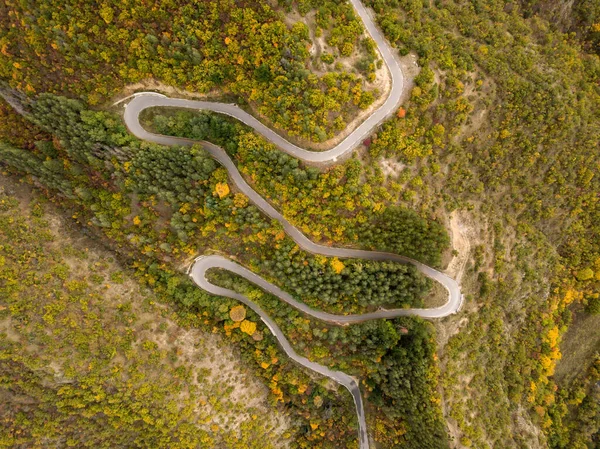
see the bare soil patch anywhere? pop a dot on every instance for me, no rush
(461, 233)
(391, 168)
(437, 296)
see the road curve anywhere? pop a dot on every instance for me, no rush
(202, 264)
(144, 100)
(198, 274)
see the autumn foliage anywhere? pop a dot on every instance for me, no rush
(237, 313)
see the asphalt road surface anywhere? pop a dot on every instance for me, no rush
(198, 271)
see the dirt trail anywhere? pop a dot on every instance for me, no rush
(460, 237)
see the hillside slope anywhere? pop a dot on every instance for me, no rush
(501, 133)
(89, 359)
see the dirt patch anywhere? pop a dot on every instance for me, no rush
(7, 330)
(477, 95)
(446, 329)
(153, 85)
(317, 43)
(461, 233)
(391, 168)
(437, 296)
(453, 431)
(528, 430)
(410, 69)
(477, 120)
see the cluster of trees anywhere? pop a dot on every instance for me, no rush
(337, 18)
(402, 231)
(247, 50)
(578, 427)
(18, 131)
(582, 17)
(404, 137)
(197, 126)
(404, 376)
(177, 175)
(337, 22)
(343, 285)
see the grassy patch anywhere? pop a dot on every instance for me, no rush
(578, 347)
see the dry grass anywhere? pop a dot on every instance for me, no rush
(578, 347)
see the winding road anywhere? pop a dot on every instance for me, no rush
(202, 264)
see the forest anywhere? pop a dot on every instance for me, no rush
(243, 49)
(160, 206)
(502, 124)
(509, 104)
